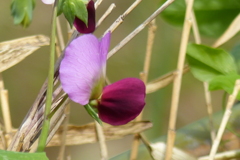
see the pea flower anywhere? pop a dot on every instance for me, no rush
(82, 75)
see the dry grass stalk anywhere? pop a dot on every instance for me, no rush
(209, 110)
(231, 31)
(64, 133)
(178, 80)
(120, 19)
(102, 141)
(14, 51)
(144, 76)
(205, 84)
(225, 119)
(60, 36)
(97, 3)
(139, 28)
(77, 135)
(6, 111)
(224, 155)
(162, 81)
(106, 14)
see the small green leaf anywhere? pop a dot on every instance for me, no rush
(10, 155)
(206, 62)
(60, 7)
(69, 11)
(93, 113)
(75, 8)
(81, 11)
(224, 82)
(213, 16)
(21, 11)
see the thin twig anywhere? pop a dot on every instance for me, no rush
(151, 35)
(162, 81)
(139, 28)
(106, 14)
(144, 76)
(225, 119)
(64, 133)
(224, 155)
(5, 106)
(60, 35)
(178, 80)
(209, 110)
(231, 31)
(102, 141)
(205, 84)
(97, 3)
(120, 19)
(6, 111)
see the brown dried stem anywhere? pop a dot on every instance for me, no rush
(225, 119)
(102, 141)
(144, 76)
(138, 29)
(205, 84)
(106, 14)
(64, 133)
(178, 80)
(120, 19)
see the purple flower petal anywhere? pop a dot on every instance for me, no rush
(122, 101)
(81, 26)
(83, 66)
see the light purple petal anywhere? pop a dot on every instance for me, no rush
(48, 1)
(104, 44)
(81, 67)
(122, 101)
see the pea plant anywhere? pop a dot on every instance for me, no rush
(78, 73)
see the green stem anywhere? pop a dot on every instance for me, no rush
(46, 121)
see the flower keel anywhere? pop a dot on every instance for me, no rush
(122, 101)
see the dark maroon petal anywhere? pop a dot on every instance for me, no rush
(81, 26)
(122, 101)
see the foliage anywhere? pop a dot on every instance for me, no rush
(212, 65)
(9, 155)
(22, 11)
(213, 17)
(72, 8)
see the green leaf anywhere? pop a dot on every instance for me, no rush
(206, 62)
(21, 11)
(213, 16)
(9, 155)
(81, 11)
(72, 8)
(69, 11)
(224, 82)
(93, 113)
(60, 7)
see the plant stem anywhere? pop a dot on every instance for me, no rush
(46, 121)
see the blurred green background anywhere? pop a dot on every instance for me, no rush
(25, 79)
